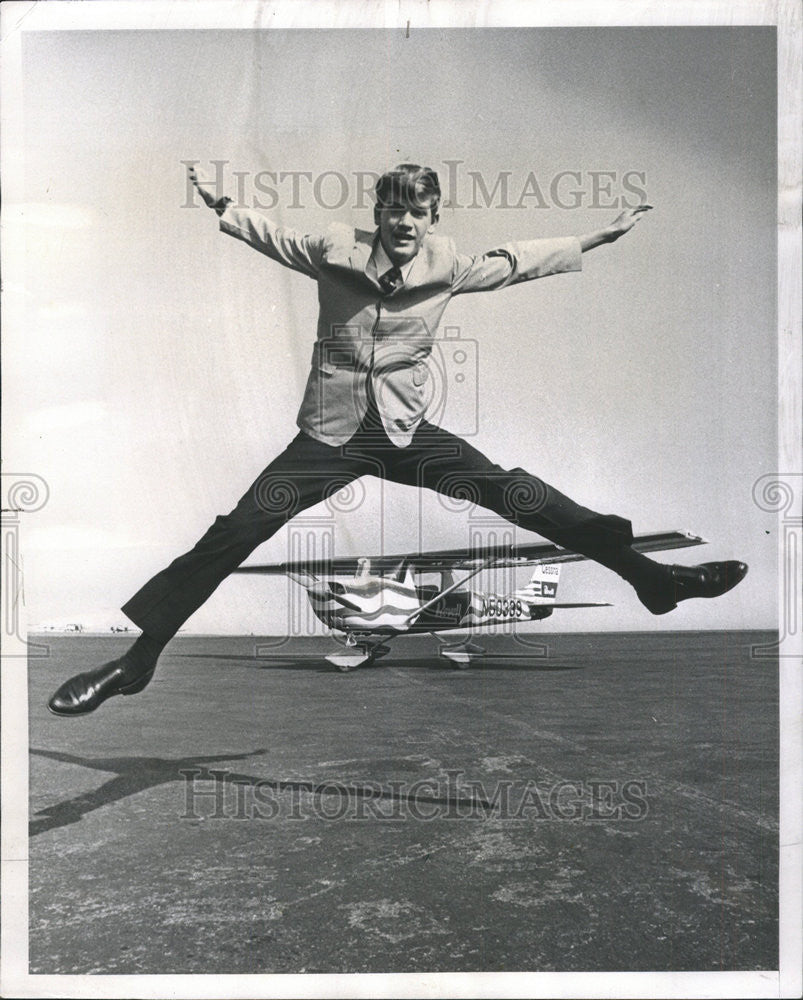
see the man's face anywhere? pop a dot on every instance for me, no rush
(403, 226)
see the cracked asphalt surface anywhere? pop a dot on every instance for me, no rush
(611, 805)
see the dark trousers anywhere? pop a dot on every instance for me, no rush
(308, 471)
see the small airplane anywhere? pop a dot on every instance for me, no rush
(368, 601)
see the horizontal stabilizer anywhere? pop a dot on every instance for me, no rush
(582, 604)
(468, 558)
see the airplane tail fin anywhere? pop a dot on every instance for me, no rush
(543, 586)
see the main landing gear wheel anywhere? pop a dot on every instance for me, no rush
(462, 653)
(357, 653)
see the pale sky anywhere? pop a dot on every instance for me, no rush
(160, 364)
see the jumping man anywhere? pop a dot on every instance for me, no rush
(381, 297)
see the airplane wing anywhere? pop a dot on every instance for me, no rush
(470, 559)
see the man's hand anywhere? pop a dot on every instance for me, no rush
(621, 224)
(624, 223)
(209, 198)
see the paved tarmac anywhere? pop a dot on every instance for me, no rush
(611, 805)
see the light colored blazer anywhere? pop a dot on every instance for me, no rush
(364, 334)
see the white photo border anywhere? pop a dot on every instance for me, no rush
(21, 17)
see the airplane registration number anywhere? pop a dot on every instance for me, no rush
(501, 607)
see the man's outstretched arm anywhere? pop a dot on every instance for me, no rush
(300, 252)
(621, 224)
(528, 259)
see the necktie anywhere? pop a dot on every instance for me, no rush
(390, 280)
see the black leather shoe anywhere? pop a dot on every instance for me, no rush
(679, 583)
(86, 692)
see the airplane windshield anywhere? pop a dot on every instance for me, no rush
(392, 572)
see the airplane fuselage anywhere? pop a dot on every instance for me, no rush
(385, 606)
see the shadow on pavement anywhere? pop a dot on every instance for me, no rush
(490, 661)
(136, 774)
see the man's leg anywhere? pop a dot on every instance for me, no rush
(304, 474)
(440, 461)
